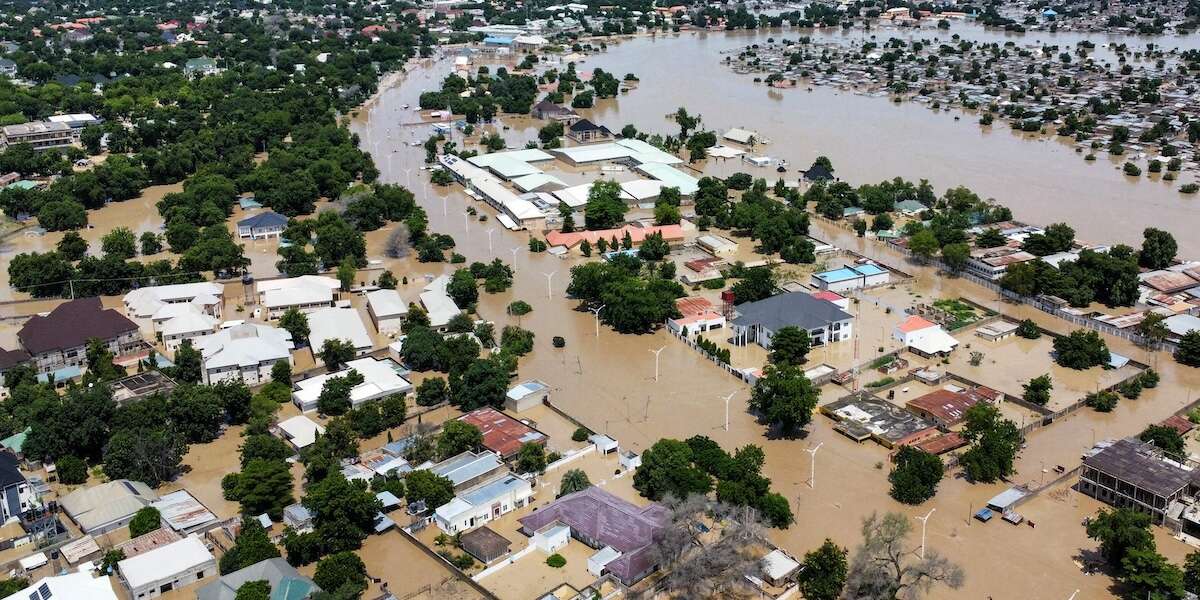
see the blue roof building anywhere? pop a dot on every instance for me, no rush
(263, 225)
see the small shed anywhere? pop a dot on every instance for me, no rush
(629, 460)
(551, 537)
(603, 443)
(485, 545)
(1006, 500)
(526, 395)
(597, 561)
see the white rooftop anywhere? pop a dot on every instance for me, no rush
(164, 561)
(440, 307)
(143, 302)
(387, 303)
(306, 289)
(300, 430)
(379, 379)
(69, 586)
(245, 345)
(337, 323)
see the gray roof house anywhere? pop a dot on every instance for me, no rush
(286, 582)
(758, 321)
(107, 506)
(263, 225)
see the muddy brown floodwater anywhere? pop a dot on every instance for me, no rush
(607, 380)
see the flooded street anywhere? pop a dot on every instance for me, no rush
(606, 380)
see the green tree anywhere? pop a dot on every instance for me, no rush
(1029, 330)
(251, 547)
(458, 437)
(667, 469)
(72, 246)
(1119, 531)
(990, 238)
(462, 288)
(151, 243)
(822, 574)
(789, 346)
(1081, 349)
(758, 283)
(994, 441)
(574, 480)
(923, 244)
(604, 209)
(484, 383)
(153, 457)
(1166, 439)
(254, 590)
(531, 458)
(915, 476)
(334, 399)
(428, 487)
(144, 521)
(188, 363)
(1191, 572)
(1188, 351)
(1158, 249)
(335, 353)
(955, 256)
(119, 242)
(1037, 390)
(281, 372)
(296, 323)
(342, 574)
(71, 470)
(1148, 574)
(344, 512)
(785, 398)
(263, 486)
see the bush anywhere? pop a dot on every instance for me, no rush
(556, 560)
(1104, 401)
(882, 382)
(1029, 330)
(144, 521)
(558, 341)
(1148, 379)
(1131, 389)
(714, 284)
(581, 434)
(72, 470)
(1189, 188)
(519, 308)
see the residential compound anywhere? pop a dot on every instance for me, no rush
(56, 342)
(758, 321)
(177, 312)
(305, 293)
(246, 351)
(380, 378)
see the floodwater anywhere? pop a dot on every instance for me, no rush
(608, 381)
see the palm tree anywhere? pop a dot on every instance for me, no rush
(573, 481)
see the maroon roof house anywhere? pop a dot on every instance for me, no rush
(59, 338)
(598, 519)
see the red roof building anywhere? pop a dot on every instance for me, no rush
(502, 434)
(949, 408)
(637, 233)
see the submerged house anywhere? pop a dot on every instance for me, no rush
(758, 321)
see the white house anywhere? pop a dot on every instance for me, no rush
(924, 337)
(186, 323)
(144, 302)
(299, 431)
(483, 503)
(552, 537)
(305, 293)
(717, 245)
(247, 351)
(338, 323)
(262, 226)
(380, 380)
(70, 585)
(438, 304)
(387, 310)
(175, 565)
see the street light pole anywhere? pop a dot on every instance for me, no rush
(549, 278)
(727, 399)
(596, 312)
(490, 232)
(812, 477)
(924, 521)
(656, 353)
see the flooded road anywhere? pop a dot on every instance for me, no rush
(607, 380)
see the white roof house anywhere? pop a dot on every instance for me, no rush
(386, 303)
(380, 380)
(338, 323)
(143, 302)
(924, 337)
(243, 348)
(186, 559)
(438, 304)
(300, 431)
(304, 293)
(741, 136)
(71, 585)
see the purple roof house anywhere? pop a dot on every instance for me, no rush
(598, 519)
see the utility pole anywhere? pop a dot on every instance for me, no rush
(924, 521)
(596, 312)
(656, 353)
(727, 399)
(549, 278)
(490, 250)
(812, 477)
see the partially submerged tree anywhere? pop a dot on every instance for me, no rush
(885, 568)
(716, 568)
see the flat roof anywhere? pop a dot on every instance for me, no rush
(387, 303)
(164, 562)
(301, 431)
(182, 511)
(671, 177)
(340, 323)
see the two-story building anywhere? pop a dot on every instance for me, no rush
(58, 339)
(758, 321)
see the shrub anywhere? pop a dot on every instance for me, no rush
(1131, 389)
(519, 308)
(556, 560)
(1189, 188)
(1104, 401)
(581, 434)
(1148, 379)
(558, 341)
(882, 382)
(71, 470)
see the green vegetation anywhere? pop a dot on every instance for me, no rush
(916, 475)
(962, 313)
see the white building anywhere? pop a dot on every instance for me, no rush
(68, 586)
(924, 337)
(247, 351)
(387, 310)
(154, 573)
(851, 277)
(338, 323)
(305, 293)
(438, 304)
(299, 431)
(758, 321)
(483, 503)
(717, 245)
(145, 302)
(186, 323)
(380, 380)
